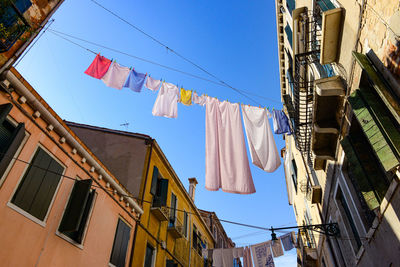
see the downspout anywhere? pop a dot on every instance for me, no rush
(141, 203)
(190, 237)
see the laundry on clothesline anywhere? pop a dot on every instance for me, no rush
(199, 100)
(152, 84)
(262, 255)
(281, 122)
(262, 147)
(115, 76)
(166, 104)
(287, 241)
(135, 81)
(99, 67)
(276, 247)
(186, 97)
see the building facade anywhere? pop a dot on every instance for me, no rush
(171, 231)
(60, 206)
(221, 238)
(20, 23)
(339, 77)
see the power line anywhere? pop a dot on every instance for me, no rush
(62, 35)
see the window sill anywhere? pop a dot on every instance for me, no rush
(69, 240)
(26, 214)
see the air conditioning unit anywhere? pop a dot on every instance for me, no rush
(316, 194)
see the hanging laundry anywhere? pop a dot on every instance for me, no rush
(186, 97)
(152, 84)
(227, 165)
(289, 181)
(260, 139)
(116, 76)
(237, 252)
(262, 254)
(277, 248)
(227, 257)
(166, 104)
(135, 81)
(199, 100)
(281, 122)
(247, 260)
(287, 241)
(99, 67)
(217, 258)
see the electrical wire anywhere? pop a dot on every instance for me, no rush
(65, 35)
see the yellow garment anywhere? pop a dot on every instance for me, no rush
(186, 97)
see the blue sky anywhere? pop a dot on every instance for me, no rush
(234, 40)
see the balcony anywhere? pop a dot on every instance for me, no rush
(12, 22)
(330, 20)
(175, 228)
(161, 213)
(327, 113)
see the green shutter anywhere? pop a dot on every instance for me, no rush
(38, 185)
(9, 151)
(153, 189)
(121, 240)
(359, 174)
(76, 206)
(163, 192)
(378, 128)
(381, 88)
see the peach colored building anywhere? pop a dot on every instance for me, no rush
(59, 205)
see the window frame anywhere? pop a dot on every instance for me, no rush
(153, 257)
(67, 238)
(25, 213)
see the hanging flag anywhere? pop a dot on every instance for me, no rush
(99, 67)
(262, 146)
(166, 104)
(186, 97)
(227, 164)
(135, 81)
(152, 84)
(116, 76)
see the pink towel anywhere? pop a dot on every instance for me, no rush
(116, 76)
(98, 67)
(227, 165)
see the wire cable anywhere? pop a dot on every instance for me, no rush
(62, 35)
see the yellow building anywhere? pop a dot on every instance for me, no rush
(171, 231)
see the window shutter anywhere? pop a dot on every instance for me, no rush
(153, 189)
(173, 209)
(163, 192)
(121, 240)
(76, 206)
(380, 87)
(359, 174)
(4, 110)
(13, 144)
(380, 131)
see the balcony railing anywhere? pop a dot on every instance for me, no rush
(12, 22)
(161, 213)
(175, 227)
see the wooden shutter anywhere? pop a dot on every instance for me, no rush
(359, 174)
(163, 192)
(38, 185)
(4, 110)
(380, 131)
(76, 206)
(13, 144)
(153, 188)
(121, 240)
(382, 89)
(173, 209)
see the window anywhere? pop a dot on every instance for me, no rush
(346, 213)
(289, 36)
(171, 263)
(76, 214)
(294, 174)
(172, 214)
(149, 259)
(38, 186)
(185, 224)
(291, 5)
(10, 138)
(159, 189)
(120, 246)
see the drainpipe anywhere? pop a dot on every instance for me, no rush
(190, 237)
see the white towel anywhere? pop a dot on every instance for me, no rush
(277, 248)
(166, 104)
(115, 76)
(288, 176)
(227, 165)
(152, 84)
(199, 100)
(227, 257)
(260, 139)
(217, 258)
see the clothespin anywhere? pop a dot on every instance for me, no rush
(130, 68)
